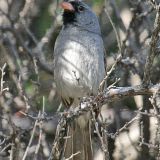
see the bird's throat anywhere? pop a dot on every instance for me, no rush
(68, 17)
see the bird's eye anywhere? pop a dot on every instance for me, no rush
(80, 8)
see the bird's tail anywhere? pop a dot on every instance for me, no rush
(78, 143)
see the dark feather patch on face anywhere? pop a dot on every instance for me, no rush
(69, 17)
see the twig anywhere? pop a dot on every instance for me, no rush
(29, 31)
(125, 126)
(103, 145)
(114, 83)
(119, 57)
(156, 106)
(7, 146)
(153, 3)
(110, 95)
(114, 28)
(22, 93)
(118, 15)
(153, 102)
(2, 141)
(39, 141)
(148, 114)
(36, 70)
(2, 89)
(105, 139)
(40, 128)
(152, 50)
(34, 53)
(11, 152)
(31, 139)
(73, 155)
(149, 145)
(55, 152)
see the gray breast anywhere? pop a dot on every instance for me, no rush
(79, 63)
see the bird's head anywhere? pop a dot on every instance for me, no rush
(79, 14)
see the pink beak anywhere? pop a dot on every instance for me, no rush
(67, 6)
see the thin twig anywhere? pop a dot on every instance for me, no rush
(2, 89)
(119, 57)
(126, 126)
(103, 144)
(31, 139)
(114, 28)
(73, 155)
(40, 128)
(11, 152)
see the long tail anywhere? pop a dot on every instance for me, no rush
(78, 143)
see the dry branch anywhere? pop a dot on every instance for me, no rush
(113, 94)
(152, 50)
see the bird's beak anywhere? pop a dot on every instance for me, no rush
(67, 6)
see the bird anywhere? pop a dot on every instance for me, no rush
(79, 68)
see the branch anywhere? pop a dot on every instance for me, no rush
(31, 139)
(37, 53)
(113, 94)
(153, 3)
(152, 50)
(2, 70)
(114, 29)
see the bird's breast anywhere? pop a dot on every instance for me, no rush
(79, 66)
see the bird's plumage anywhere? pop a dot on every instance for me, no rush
(79, 68)
(79, 56)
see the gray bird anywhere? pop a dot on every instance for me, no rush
(79, 69)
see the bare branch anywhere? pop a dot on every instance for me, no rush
(152, 50)
(2, 89)
(31, 139)
(114, 28)
(113, 94)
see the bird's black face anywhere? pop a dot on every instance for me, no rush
(69, 16)
(79, 14)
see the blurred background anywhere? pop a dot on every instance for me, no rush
(28, 29)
